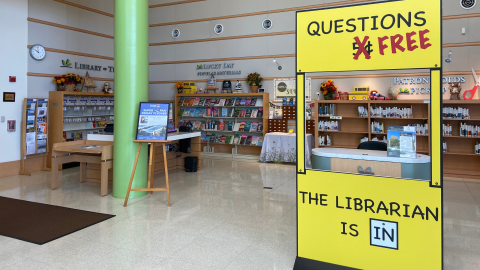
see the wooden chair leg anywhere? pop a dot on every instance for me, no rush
(83, 172)
(133, 174)
(153, 167)
(104, 178)
(150, 167)
(166, 172)
(54, 174)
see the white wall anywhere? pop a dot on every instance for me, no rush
(13, 55)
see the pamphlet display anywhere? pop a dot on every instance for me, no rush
(401, 142)
(153, 121)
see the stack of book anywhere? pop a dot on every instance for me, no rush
(232, 139)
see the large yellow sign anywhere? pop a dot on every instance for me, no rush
(349, 221)
(392, 35)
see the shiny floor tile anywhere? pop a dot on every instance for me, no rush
(221, 218)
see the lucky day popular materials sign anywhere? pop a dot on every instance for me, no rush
(358, 221)
(369, 37)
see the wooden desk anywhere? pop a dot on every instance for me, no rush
(76, 152)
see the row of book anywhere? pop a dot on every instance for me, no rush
(230, 139)
(212, 101)
(221, 112)
(221, 125)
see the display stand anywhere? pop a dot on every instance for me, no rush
(150, 169)
(23, 144)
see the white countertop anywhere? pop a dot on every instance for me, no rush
(174, 136)
(366, 155)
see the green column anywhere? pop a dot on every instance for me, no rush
(131, 88)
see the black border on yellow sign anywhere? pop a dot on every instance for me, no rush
(308, 264)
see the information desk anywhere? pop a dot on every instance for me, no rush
(371, 162)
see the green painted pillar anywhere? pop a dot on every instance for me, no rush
(131, 88)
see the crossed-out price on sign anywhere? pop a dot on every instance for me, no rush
(397, 44)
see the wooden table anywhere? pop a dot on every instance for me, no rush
(76, 152)
(151, 164)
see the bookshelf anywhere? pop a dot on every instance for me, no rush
(460, 159)
(76, 114)
(262, 103)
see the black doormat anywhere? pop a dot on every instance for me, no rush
(41, 223)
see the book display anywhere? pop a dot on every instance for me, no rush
(73, 115)
(345, 124)
(227, 121)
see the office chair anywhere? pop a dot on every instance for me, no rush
(373, 145)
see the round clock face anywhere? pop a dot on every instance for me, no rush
(38, 52)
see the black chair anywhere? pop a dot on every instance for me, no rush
(377, 146)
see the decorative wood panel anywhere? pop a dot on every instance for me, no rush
(277, 125)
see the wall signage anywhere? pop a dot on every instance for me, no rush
(362, 221)
(215, 67)
(424, 81)
(68, 64)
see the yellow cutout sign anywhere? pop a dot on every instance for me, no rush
(352, 221)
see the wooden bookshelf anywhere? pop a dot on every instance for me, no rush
(459, 161)
(227, 148)
(57, 115)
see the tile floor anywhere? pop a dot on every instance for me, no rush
(221, 218)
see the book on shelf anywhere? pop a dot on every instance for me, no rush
(254, 102)
(236, 139)
(230, 125)
(231, 102)
(260, 141)
(248, 113)
(207, 138)
(242, 127)
(254, 127)
(186, 101)
(236, 112)
(216, 112)
(202, 125)
(192, 112)
(202, 101)
(232, 112)
(196, 102)
(236, 127)
(242, 113)
(197, 112)
(224, 112)
(212, 138)
(243, 101)
(260, 113)
(254, 113)
(222, 125)
(260, 127)
(254, 140)
(197, 125)
(207, 102)
(208, 112)
(212, 101)
(181, 111)
(218, 138)
(203, 137)
(180, 124)
(190, 103)
(223, 139)
(248, 141)
(248, 102)
(248, 126)
(186, 112)
(202, 112)
(180, 102)
(229, 139)
(222, 102)
(242, 140)
(217, 102)
(238, 101)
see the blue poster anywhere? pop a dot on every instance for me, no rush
(152, 122)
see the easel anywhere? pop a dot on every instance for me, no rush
(151, 170)
(23, 143)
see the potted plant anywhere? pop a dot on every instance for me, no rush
(68, 82)
(179, 86)
(328, 89)
(255, 81)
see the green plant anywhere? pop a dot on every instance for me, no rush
(66, 63)
(254, 79)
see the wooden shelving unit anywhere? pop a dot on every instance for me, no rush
(58, 112)
(459, 161)
(262, 102)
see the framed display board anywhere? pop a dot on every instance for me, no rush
(350, 213)
(152, 121)
(288, 88)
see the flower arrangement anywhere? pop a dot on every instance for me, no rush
(254, 79)
(67, 82)
(179, 86)
(328, 89)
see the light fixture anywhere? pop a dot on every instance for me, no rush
(278, 65)
(449, 58)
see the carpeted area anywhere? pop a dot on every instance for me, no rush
(41, 223)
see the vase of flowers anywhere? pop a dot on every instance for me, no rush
(328, 89)
(68, 82)
(179, 86)
(255, 81)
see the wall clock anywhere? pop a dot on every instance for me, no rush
(38, 52)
